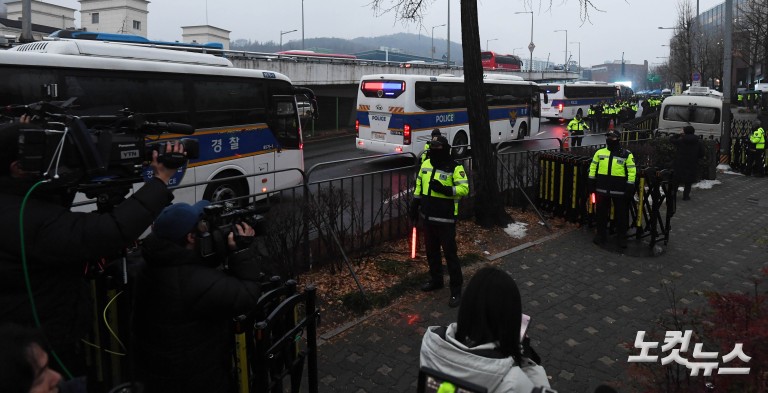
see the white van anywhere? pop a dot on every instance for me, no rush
(698, 108)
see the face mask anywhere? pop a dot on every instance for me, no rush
(612, 144)
(439, 155)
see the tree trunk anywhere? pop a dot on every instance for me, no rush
(489, 206)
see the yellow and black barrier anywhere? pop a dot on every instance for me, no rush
(740, 144)
(563, 193)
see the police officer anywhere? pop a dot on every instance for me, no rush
(576, 128)
(440, 184)
(612, 176)
(755, 153)
(425, 153)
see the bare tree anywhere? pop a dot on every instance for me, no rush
(751, 45)
(489, 206)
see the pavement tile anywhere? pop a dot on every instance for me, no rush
(586, 303)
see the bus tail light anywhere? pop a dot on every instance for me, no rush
(357, 128)
(560, 107)
(407, 134)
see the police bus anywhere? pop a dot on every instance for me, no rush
(246, 121)
(568, 99)
(396, 113)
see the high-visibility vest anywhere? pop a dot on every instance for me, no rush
(577, 125)
(612, 172)
(758, 138)
(434, 205)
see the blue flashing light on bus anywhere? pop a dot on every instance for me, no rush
(128, 38)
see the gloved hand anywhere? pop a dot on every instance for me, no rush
(529, 352)
(436, 186)
(413, 210)
(630, 190)
(591, 186)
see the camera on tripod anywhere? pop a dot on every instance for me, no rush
(219, 220)
(89, 153)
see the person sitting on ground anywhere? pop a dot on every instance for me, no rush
(483, 346)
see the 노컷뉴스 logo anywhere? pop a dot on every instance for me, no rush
(677, 344)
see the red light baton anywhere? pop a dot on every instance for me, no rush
(413, 243)
(593, 198)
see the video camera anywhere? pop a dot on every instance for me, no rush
(219, 220)
(90, 153)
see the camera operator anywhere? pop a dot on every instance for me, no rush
(185, 302)
(58, 244)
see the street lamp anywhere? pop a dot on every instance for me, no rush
(578, 42)
(530, 46)
(282, 33)
(565, 65)
(302, 24)
(487, 41)
(432, 50)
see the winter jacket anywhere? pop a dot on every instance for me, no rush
(453, 358)
(58, 244)
(612, 171)
(435, 206)
(689, 151)
(182, 317)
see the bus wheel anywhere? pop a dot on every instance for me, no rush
(222, 188)
(460, 140)
(523, 131)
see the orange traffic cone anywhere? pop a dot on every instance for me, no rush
(610, 125)
(566, 139)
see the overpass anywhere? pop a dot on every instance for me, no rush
(335, 80)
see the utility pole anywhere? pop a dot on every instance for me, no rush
(26, 21)
(725, 137)
(448, 61)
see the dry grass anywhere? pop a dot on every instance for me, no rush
(388, 273)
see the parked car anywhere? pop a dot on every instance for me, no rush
(305, 109)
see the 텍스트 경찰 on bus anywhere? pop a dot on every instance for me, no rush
(246, 121)
(397, 113)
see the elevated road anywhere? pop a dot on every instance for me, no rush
(335, 80)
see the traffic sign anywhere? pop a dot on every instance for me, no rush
(696, 77)
(531, 47)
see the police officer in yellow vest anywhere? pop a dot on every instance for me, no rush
(576, 128)
(440, 184)
(612, 176)
(755, 153)
(425, 154)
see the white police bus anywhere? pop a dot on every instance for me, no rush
(568, 99)
(246, 121)
(397, 113)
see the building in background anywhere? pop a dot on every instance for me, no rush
(114, 16)
(46, 18)
(44, 14)
(616, 71)
(204, 34)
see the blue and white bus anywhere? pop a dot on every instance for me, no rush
(568, 99)
(246, 121)
(397, 113)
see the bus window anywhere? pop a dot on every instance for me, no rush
(284, 122)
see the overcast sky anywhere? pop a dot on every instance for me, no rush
(628, 26)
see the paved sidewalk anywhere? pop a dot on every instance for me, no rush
(585, 302)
